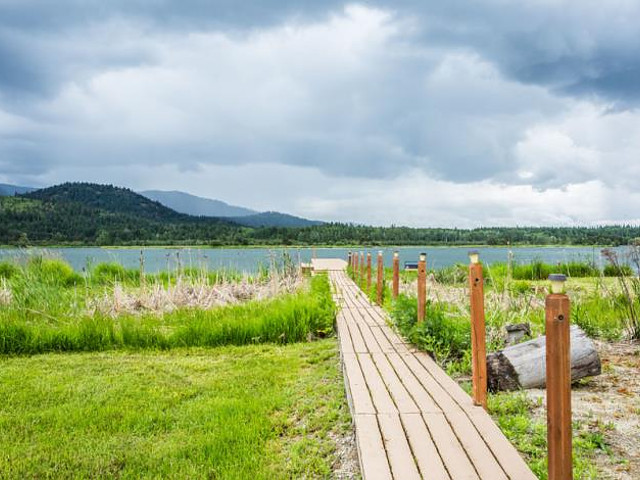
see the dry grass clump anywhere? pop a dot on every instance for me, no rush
(188, 292)
(6, 295)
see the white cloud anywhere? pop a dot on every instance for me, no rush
(588, 143)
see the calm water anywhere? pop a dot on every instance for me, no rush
(250, 259)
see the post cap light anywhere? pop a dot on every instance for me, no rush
(395, 254)
(379, 253)
(368, 254)
(423, 257)
(474, 256)
(557, 282)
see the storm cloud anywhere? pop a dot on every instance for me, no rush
(383, 102)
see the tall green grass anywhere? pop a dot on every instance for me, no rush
(48, 314)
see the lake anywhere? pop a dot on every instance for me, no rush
(250, 259)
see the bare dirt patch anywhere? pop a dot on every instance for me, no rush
(346, 465)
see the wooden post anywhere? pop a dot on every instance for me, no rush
(350, 261)
(478, 332)
(368, 271)
(356, 266)
(361, 269)
(422, 287)
(380, 277)
(396, 275)
(559, 446)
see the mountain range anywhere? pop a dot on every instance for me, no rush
(199, 206)
(11, 190)
(188, 204)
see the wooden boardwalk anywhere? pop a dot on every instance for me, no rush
(412, 420)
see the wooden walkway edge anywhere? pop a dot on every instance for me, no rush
(412, 420)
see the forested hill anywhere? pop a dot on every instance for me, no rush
(88, 214)
(107, 198)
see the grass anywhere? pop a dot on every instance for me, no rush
(142, 398)
(260, 411)
(295, 317)
(514, 413)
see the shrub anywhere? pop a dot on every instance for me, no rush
(445, 335)
(8, 270)
(520, 287)
(617, 270)
(113, 272)
(53, 272)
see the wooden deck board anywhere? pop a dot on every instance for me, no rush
(425, 451)
(398, 450)
(412, 420)
(371, 449)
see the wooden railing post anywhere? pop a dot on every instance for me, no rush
(361, 269)
(368, 271)
(478, 332)
(356, 265)
(558, 346)
(396, 275)
(422, 287)
(380, 277)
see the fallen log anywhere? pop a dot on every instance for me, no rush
(524, 365)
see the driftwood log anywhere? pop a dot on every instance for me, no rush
(524, 365)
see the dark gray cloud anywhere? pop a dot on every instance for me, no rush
(518, 94)
(575, 47)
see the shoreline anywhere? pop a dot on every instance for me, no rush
(291, 247)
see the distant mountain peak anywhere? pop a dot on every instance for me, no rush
(11, 190)
(193, 205)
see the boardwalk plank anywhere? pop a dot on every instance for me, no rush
(448, 383)
(362, 402)
(480, 455)
(399, 393)
(359, 345)
(413, 386)
(371, 449)
(346, 346)
(423, 448)
(381, 399)
(398, 451)
(369, 340)
(383, 341)
(453, 455)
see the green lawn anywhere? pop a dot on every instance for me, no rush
(248, 412)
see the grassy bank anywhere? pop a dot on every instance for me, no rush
(258, 412)
(54, 314)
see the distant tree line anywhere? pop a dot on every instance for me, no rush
(85, 214)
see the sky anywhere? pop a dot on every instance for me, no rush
(406, 112)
